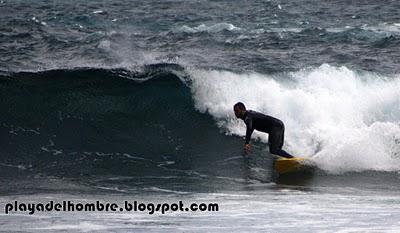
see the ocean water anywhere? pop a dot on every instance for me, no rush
(132, 100)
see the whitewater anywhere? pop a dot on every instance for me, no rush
(344, 120)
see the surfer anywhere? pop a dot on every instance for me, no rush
(264, 123)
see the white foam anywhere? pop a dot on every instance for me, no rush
(280, 30)
(81, 226)
(345, 120)
(215, 28)
(104, 44)
(384, 28)
(40, 22)
(157, 189)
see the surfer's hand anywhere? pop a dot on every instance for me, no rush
(247, 148)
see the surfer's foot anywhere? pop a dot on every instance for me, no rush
(283, 154)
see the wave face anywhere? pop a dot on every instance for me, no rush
(111, 128)
(345, 120)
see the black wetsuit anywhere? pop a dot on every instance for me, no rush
(268, 124)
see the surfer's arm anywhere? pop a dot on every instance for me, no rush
(249, 130)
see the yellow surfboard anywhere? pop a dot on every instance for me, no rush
(287, 165)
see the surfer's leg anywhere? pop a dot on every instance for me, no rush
(275, 140)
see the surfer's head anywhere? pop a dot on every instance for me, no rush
(239, 110)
